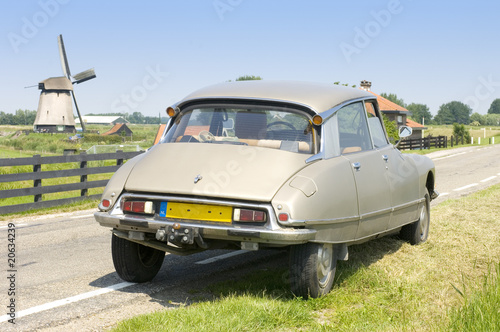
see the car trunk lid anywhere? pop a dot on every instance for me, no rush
(214, 170)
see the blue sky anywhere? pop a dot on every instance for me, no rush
(148, 55)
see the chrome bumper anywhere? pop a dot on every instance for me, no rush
(271, 233)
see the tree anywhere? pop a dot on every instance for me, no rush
(491, 120)
(394, 98)
(419, 112)
(460, 131)
(344, 84)
(391, 129)
(476, 117)
(249, 78)
(494, 107)
(454, 111)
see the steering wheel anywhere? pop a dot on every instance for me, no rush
(206, 136)
(277, 123)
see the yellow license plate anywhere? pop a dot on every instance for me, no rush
(203, 212)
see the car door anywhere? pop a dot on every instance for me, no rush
(400, 172)
(368, 167)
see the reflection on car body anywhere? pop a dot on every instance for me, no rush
(267, 165)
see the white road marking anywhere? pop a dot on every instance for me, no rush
(221, 257)
(82, 216)
(466, 187)
(17, 225)
(443, 194)
(449, 156)
(67, 300)
(489, 179)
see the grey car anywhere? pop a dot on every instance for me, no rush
(267, 164)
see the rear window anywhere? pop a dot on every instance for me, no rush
(268, 128)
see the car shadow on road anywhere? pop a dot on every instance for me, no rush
(182, 281)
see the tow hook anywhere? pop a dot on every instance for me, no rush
(180, 235)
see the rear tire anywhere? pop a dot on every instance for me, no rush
(418, 232)
(134, 262)
(312, 269)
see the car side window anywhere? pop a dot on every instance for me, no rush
(354, 135)
(377, 131)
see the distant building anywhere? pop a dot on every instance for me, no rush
(102, 120)
(394, 112)
(119, 129)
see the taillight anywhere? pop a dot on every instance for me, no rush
(106, 203)
(246, 215)
(283, 217)
(137, 207)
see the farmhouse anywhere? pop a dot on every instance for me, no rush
(394, 112)
(119, 129)
(102, 120)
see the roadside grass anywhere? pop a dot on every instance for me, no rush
(481, 305)
(447, 283)
(73, 207)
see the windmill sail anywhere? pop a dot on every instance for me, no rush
(84, 76)
(64, 58)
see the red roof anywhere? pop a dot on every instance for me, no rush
(413, 124)
(387, 105)
(117, 128)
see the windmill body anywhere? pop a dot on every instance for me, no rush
(55, 107)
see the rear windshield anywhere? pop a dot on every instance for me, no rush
(269, 128)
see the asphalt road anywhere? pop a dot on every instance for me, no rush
(64, 277)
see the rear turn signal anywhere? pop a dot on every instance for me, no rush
(145, 207)
(246, 215)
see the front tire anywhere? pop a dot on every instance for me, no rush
(418, 232)
(312, 269)
(134, 262)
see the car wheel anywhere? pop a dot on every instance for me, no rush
(134, 262)
(417, 232)
(312, 269)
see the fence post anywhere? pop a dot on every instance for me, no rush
(83, 178)
(119, 161)
(37, 167)
(451, 140)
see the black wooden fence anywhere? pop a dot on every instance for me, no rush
(38, 175)
(424, 143)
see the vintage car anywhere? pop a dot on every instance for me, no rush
(267, 164)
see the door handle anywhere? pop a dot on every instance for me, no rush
(356, 166)
(385, 157)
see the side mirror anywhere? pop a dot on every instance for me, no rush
(404, 131)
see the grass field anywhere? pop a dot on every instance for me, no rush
(449, 283)
(476, 132)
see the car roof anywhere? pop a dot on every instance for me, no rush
(318, 97)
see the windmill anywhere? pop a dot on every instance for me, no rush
(55, 111)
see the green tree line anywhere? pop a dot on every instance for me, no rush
(449, 113)
(27, 118)
(21, 117)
